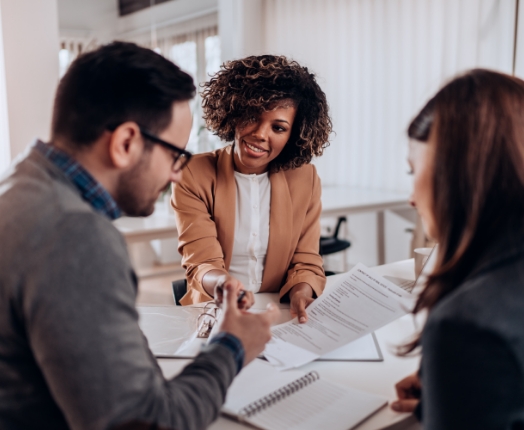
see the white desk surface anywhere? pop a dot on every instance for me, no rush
(374, 377)
(341, 200)
(160, 225)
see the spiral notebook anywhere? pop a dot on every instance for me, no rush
(272, 400)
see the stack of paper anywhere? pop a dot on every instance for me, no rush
(360, 303)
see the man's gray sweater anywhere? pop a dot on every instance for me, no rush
(71, 352)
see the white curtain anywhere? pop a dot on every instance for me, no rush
(5, 153)
(378, 62)
(72, 47)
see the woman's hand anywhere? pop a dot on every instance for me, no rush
(300, 297)
(408, 392)
(214, 282)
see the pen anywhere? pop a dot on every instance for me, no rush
(241, 296)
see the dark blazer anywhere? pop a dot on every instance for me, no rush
(473, 348)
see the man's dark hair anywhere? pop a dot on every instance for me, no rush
(116, 83)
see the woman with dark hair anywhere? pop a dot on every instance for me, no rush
(467, 157)
(248, 214)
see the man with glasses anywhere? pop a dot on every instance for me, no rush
(71, 351)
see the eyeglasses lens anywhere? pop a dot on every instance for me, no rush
(180, 162)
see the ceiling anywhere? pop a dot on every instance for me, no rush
(102, 20)
(85, 15)
(125, 7)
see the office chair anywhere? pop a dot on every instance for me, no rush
(179, 290)
(332, 244)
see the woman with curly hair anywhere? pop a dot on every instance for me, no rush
(248, 214)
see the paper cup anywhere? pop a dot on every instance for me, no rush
(421, 255)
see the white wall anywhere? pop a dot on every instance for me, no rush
(89, 19)
(30, 51)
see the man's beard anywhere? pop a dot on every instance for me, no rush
(132, 191)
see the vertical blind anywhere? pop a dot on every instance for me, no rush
(378, 62)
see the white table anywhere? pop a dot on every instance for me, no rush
(160, 225)
(374, 377)
(343, 200)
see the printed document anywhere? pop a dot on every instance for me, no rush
(360, 303)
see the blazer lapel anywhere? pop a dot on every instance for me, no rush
(224, 210)
(280, 230)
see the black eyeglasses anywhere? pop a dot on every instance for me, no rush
(180, 156)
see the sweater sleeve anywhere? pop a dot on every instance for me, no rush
(83, 329)
(470, 378)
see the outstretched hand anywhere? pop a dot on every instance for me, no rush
(253, 330)
(300, 297)
(216, 281)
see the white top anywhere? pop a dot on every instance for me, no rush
(251, 229)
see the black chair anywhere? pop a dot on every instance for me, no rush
(179, 290)
(332, 244)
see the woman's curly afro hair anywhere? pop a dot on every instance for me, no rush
(243, 89)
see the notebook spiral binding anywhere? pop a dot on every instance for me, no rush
(278, 395)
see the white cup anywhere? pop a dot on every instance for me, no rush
(421, 256)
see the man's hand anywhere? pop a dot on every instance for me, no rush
(247, 301)
(300, 297)
(408, 392)
(236, 288)
(253, 330)
(215, 280)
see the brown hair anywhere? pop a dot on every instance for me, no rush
(476, 123)
(243, 89)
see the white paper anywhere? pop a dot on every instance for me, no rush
(190, 348)
(284, 355)
(360, 303)
(362, 349)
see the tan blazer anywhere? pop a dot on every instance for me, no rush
(204, 203)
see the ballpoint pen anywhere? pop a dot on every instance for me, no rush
(241, 296)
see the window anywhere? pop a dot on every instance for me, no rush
(70, 48)
(198, 54)
(212, 46)
(64, 59)
(185, 56)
